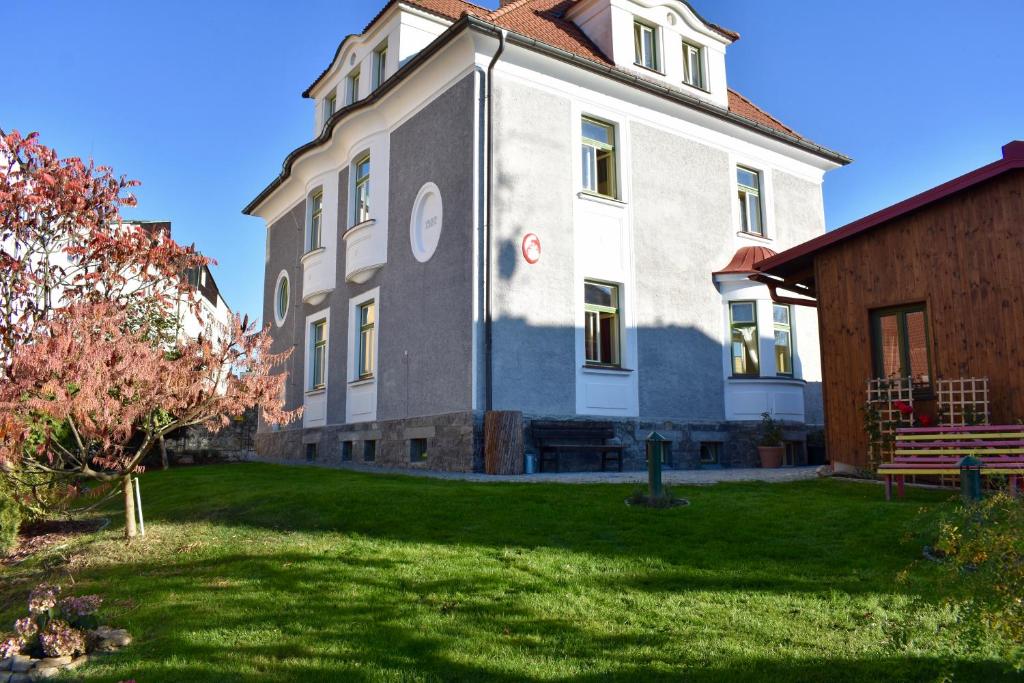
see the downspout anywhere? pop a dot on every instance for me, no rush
(488, 321)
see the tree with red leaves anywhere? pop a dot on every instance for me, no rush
(90, 376)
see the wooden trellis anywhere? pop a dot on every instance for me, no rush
(964, 401)
(883, 397)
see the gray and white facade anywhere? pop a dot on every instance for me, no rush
(455, 240)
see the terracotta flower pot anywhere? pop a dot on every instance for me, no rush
(771, 456)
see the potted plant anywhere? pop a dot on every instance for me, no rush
(770, 448)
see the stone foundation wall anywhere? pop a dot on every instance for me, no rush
(454, 443)
(199, 446)
(451, 442)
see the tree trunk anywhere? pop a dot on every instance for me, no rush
(163, 454)
(503, 442)
(129, 507)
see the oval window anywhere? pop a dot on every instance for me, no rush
(282, 298)
(425, 225)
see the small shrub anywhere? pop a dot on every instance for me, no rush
(771, 431)
(983, 547)
(54, 627)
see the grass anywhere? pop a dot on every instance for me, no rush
(261, 572)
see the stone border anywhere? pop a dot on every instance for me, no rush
(23, 669)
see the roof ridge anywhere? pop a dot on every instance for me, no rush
(505, 9)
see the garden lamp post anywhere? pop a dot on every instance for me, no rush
(970, 479)
(657, 449)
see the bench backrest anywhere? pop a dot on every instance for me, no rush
(979, 441)
(572, 431)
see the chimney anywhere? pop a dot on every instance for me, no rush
(1014, 151)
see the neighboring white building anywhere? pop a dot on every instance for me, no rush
(552, 208)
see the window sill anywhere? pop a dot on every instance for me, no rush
(782, 379)
(753, 236)
(647, 68)
(365, 224)
(601, 199)
(319, 391)
(362, 382)
(605, 370)
(313, 252)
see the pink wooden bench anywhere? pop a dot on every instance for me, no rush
(938, 451)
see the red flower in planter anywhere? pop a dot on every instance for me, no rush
(903, 408)
(924, 420)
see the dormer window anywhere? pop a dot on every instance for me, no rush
(380, 65)
(645, 41)
(693, 65)
(330, 105)
(353, 87)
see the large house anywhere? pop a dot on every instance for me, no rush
(928, 291)
(552, 208)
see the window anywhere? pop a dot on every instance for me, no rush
(645, 42)
(743, 323)
(310, 452)
(900, 344)
(710, 453)
(380, 65)
(601, 312)
(318, 355)
(282, 299)
(693, 65)
(749, 187)
(346, 451)
(369, 451)
(783, 340)
(599, 158)
(330, 105)
(316, 210)
(353, 87)
(417, 450)
(362, 175)
(365, 345)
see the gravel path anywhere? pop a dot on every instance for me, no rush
(669, 476)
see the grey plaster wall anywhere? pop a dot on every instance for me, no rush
(337, 348)
(426, 316)
(681, 234)
(534, 342)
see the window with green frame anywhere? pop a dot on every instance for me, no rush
(601, 328)
(330, 105)
(598, 156)
(783, 320)
(899, 344)
(353, 87)
(746, 358)
(380, 65)
(362, 175)
(748, 183)
(315, 238)
(318, 355)
(365, 346)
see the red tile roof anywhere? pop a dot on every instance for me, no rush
(744, 259)
(544, 21)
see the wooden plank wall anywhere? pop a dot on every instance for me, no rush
(963, 257)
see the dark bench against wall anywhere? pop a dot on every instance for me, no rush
(554, 438)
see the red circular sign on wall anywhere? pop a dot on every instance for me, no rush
(531, 248)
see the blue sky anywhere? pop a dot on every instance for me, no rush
(201, 100)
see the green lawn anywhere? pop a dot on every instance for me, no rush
(261, 572)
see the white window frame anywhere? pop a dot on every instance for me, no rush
(639, 58)
(279, 317)
(312, 215)
(380, 65)
(330, 106)
(701, 82)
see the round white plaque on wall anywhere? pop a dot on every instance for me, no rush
(425, 226)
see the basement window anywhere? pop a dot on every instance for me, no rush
(417, 450)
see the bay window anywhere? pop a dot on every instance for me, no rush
(314, 232)
(783, 340)
(746, 359)
(362, 174)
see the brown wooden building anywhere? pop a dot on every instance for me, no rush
(932, 287)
